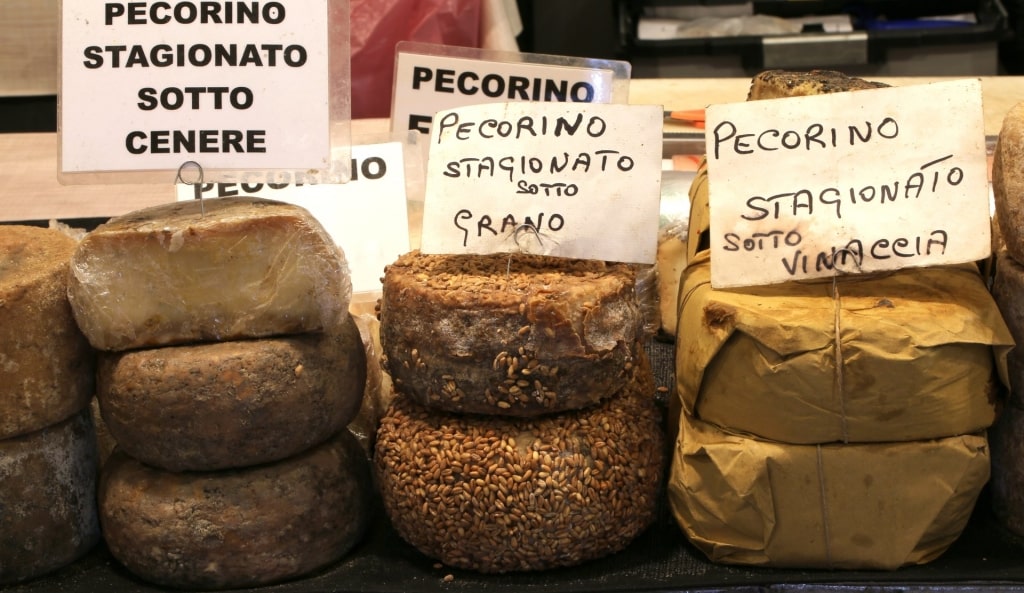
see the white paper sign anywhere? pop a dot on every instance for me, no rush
(570, 180)
(857, 182)
(367, 216)
(426, 84)
(229, 85)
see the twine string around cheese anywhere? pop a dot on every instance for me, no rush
(824, 509)
(199, 180)
(838, 387)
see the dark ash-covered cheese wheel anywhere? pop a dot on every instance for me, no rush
(207, 271)
(236, 528)
(1008, 292)
(232, 404)
(498, 494)
(48, 516)
(508, 334)
(46, 364)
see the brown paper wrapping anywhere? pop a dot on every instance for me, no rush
(917, 351)
(868, 506)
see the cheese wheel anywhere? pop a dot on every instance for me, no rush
(1008, 292)
(1007, 482)
(497, 494)
(1008, 181)
(174, 273)
(776, 84)
(236, 528)
(508, 334)
(232, 404)
(48, 515)
(45, 362)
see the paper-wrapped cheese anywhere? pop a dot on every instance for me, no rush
(48, 516)
(509, 334)
(1008, 181)
(916, 354)
(868, 506)
(497, 494)
(223, 269)
(46, 365)
(237, 528)
(232, 404)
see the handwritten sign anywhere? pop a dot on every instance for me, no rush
(229, 85)
(367, 216)
(579, 181)
(857, 182)
(429, 79)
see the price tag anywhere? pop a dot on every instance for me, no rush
(570, 180)
(846, 183)
(367, 216)
(431, 78)
(148, 86)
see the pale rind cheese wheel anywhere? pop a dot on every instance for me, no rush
(232, 404)
(237, 528)
(46, 365)
(48, 516)
(1008, 181)
(509, 334)
(497, 494)
(203, 271)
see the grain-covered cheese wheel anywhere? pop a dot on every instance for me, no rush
(46, 365)
(236, 528)
(1008, 292)
(509, 334)
(232, 404)
(775, 84)
(48, 516)
(497, 494)
(1008, 181)
(222, 269)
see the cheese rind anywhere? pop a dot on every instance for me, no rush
(509, 334)
(1008, 181)
(46, 365)
(48, 516)
(236, 528)
(231, 404)
(777, 84)
(237, 268)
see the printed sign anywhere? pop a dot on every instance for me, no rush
(367, 216)
(857, 182)
(228, 85)
(568, 180)
(429, 80)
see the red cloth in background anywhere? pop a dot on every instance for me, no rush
(378, 25)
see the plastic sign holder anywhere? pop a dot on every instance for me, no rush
(151, 92)
(847, 183)
(431, 78)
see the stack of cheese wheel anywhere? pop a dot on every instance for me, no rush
(1008, 288)
(47, 443)
(834, 424)
(524, 434)
(229, 368)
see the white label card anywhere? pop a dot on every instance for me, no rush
(569, 180)
(426, 84)
(228, 85)
(846, 183)
(367, 216)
